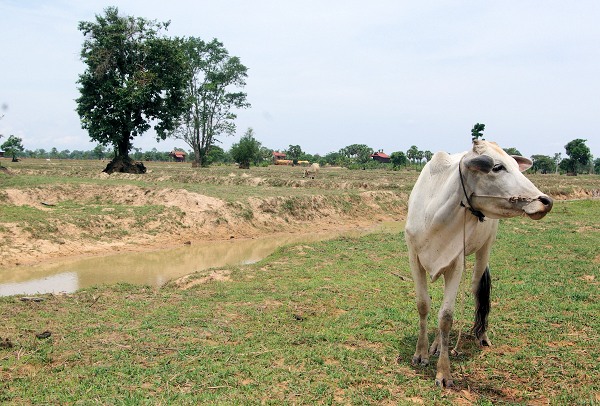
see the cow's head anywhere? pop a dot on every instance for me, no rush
(495, 185)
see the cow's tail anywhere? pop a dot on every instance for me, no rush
(483, 303)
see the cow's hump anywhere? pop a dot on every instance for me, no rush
(440, 162)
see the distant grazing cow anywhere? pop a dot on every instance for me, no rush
(453, 211)
(312, 171)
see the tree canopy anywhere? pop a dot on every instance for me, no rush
(134, 79)
(579, 155)
(512, 151)
(12, 146)
(360, 153)
(398, 158)
(211, 96)
(477, 131)
(247, 150)
(543, 164)
(294, 152)
(412, 153)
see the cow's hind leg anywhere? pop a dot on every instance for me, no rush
(423, 305)
(452, 277)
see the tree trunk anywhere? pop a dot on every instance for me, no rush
(122, 162)
(196, 163)
(124, 145)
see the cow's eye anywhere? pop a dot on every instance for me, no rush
(498, 167)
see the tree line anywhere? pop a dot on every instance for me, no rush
(250, 152)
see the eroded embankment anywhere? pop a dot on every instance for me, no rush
(74, 220)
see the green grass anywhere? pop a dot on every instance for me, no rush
(322, 323)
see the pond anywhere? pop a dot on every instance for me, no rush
(157, 267)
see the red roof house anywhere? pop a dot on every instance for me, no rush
(178, 156)
(380, 156)
(278, 156)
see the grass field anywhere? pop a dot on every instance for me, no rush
(325, 323)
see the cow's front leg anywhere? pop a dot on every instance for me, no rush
(452, 277)
(423, 305)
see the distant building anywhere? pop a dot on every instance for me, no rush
(278, 156)
(381, 156)
(178, 156)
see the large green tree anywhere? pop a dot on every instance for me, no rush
(360, 153)
(12, 146)
(579, 155)
(246, 151)
(294, 152)
(212, 95)
(398, 158)
(134, 80)
(412, 153)
(543, 164)
(477, 131)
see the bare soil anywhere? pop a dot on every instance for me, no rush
(187, 217)
(85, 211)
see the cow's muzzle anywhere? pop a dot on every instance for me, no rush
(539, 207)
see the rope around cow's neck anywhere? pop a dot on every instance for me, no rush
(480, 216)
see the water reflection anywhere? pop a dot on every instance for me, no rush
(152, 268)
(68, 282)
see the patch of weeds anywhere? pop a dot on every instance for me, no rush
(244, 212)
(220, 220)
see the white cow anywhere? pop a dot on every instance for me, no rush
(453, 211)
(312, 171)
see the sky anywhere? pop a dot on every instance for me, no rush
(327, 74)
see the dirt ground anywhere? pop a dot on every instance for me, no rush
(98, 225)
(86, 212)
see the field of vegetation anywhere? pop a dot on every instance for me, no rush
(331, 322)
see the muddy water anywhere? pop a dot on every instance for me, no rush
(153, 268)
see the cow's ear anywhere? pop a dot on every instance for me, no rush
(524, 163)
(481, 163)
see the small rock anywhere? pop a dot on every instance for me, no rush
(32, 299)
(43, 335)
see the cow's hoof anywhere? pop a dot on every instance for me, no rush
(444, 381)
(484, 341)
(434, 349)
(418, 360)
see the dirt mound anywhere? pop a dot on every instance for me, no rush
(124, 165)
(88, 219)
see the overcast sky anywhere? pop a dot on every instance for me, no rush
(327, 74)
